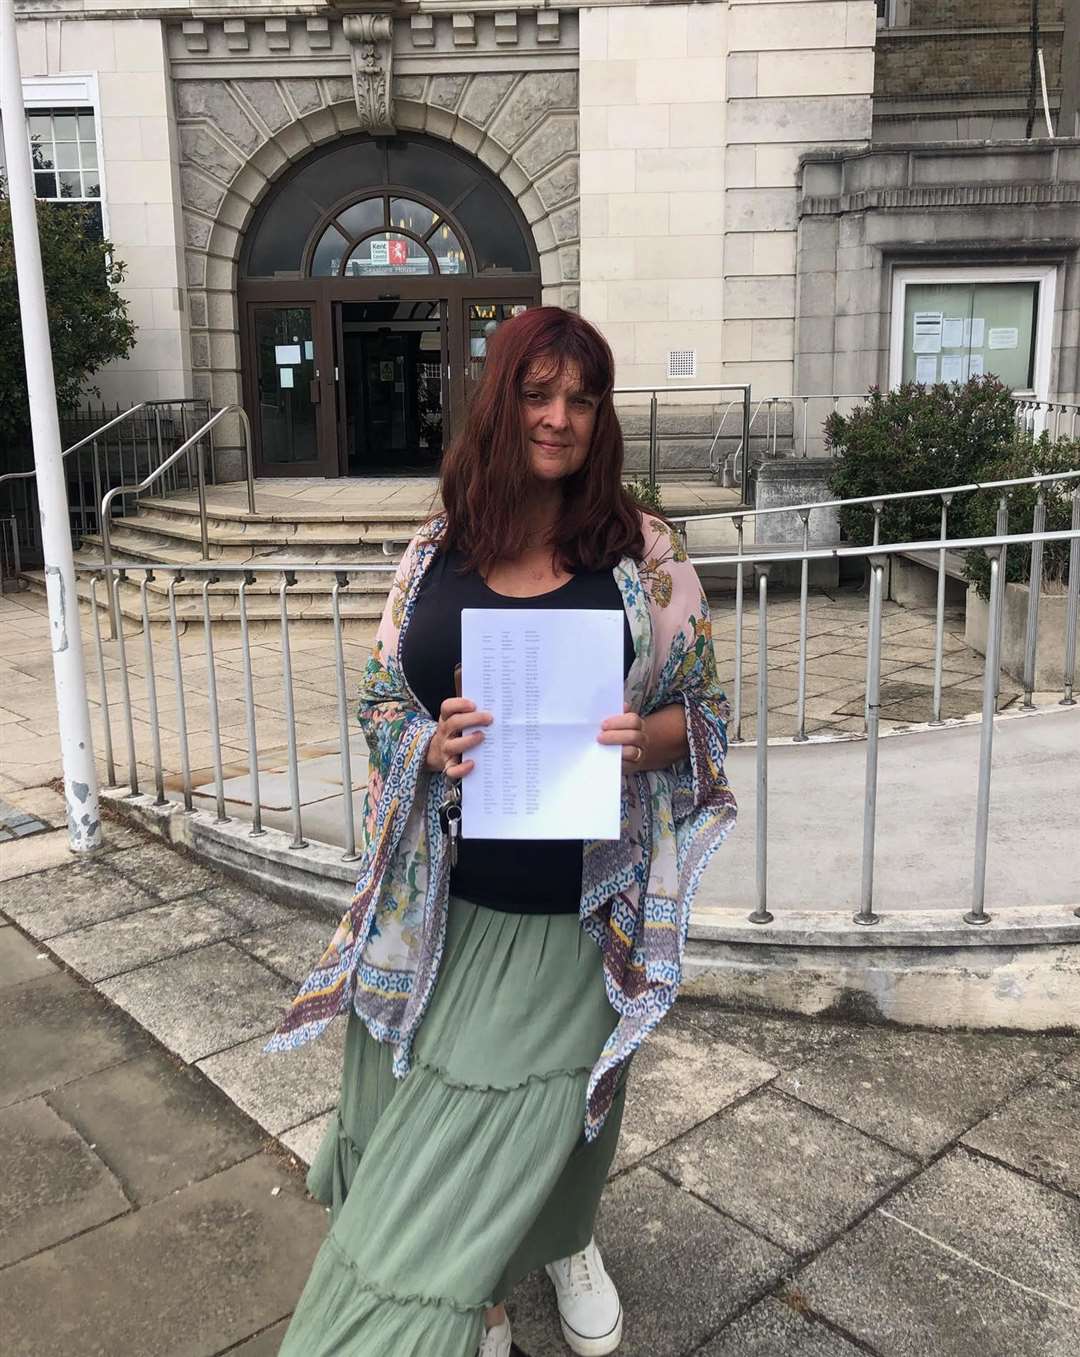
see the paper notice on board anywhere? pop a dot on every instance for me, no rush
(286, 355)
(976, 366)
(927, 332)
(952, 332)
(285, 378)
(540, 773)
(953, 367)
(1003, 337)
(978, 332)
(926, 371)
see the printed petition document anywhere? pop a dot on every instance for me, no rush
(549, 678)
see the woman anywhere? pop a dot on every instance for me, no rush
(553, 960)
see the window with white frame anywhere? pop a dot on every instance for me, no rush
(885, 13)
(65, 142)
(952, 324)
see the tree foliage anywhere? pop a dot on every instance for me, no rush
(88, 320)
(915, 438)
(1026, 456)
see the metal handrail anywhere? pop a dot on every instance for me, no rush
(206, 574)
(876, 500)
(654, 391)
(104, 428)
(196, 441)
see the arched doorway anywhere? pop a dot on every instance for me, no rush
(370, 279)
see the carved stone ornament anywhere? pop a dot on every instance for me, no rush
(371, 39)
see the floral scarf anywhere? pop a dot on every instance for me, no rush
(637, 890)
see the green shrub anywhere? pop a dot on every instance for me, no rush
(1027, 456)
(647, 494)
(916, 438)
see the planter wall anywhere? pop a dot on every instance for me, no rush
(1050, 652)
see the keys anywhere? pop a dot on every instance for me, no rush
(450, 820)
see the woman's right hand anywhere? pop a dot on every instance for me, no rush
(449, 745)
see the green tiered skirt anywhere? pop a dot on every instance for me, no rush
(448, 1187)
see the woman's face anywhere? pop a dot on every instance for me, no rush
(559, 418)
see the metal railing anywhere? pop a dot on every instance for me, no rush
(740, 459)
(1060, 419)
(10, 559)
(198, 441)
(110, 454)
(800, 445)
(242, 577)
(942, 547)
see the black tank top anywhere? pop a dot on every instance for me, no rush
(534, 876)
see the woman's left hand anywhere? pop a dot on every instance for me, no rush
(629, 731)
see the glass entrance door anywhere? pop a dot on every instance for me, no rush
(392, 386)
(288, 393)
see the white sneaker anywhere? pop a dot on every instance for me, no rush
(496, 1341)
(589, 1305)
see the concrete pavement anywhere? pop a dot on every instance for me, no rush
(783, 1187)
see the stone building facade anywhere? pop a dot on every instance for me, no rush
(325, 209)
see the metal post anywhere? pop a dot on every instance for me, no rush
(96, 471)
(298, 841)
(69, 675)
(342, 582)
(761, 913)
(1073, 604)
(939, 637)
(1001, 529)
(151, 691)
(204, 530)
(249, 453)
(805, 425)
(866, 913)
(737, 714)
(744, 489)
(654, 456)
(249, 707)
(212, 699)
(110, 766)
(125, 688)
(181, 710)
(977, 914)
(1031, 640)
(160, 450)
(804, 514)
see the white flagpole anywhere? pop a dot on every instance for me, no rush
(76, 746)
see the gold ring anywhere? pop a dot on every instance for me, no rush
(638, 749)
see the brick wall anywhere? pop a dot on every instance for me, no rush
(940, 63)
(981, 13)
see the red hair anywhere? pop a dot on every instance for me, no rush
(485, 472)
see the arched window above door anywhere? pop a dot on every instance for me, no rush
(405, 205)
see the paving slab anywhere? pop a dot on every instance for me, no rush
(681, 1076)
(44, 802)
(191, 1275)
(1037, 1131)
(157, 1123)
(283, 1088)
(250, 908)
(165, 871)
(773, 1328)
(935, 1286)
(55, 1030)
(20, 857)
(292, 948)
(681, 1269)
(53, 1185)
(304, 1140)
(789, 1172)
(204, 1001)
(786, 1042)
(21, 960)
(79, 893)
(919, 1090)
(134, 940)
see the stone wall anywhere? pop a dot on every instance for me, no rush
(693, 120)
(861, 215)
(240, 125)
(140, 186)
